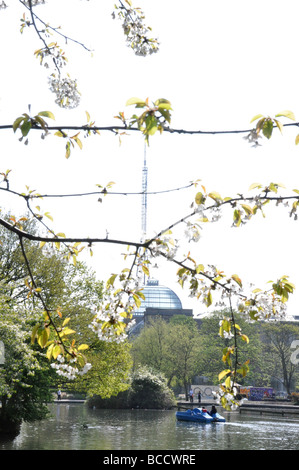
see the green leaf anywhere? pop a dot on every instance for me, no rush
(17, 123)
(25, 127)
(166, 114)
(253, 315)
(268, 128)
(68, 150)
(43, 337)
(151, 124)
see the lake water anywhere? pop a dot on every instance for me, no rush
(76, 427)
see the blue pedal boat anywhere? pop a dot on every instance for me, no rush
(199, 415)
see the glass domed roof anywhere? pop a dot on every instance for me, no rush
(157, 296)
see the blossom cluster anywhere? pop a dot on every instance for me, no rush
(227, 398)
(109, 322)
(164, 246)
(192, 232)
(69, 369)
(34, 2)
(263, 307)
(136, 32)
(65, 89)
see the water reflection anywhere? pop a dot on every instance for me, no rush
(74, 426)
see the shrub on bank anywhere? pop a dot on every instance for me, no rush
(148, 390)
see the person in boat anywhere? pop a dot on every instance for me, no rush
(213, 410)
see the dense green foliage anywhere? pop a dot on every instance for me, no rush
(148, 390)
(183, 349)
(26, 375)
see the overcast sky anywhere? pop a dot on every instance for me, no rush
(220, 63)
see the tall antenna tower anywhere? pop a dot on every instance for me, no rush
(144, 196)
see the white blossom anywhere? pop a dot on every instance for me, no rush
(65, 89)
(136, 32)
(67, 370)
(192, 232)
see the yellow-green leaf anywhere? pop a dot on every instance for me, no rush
(47, 114)
(136, 101)
(65, 322)
(47, 214)
(236, 278)
(50, 351)
(258, 116)
(43, 337)
(33, 334)
(199, 198)
(224, 373)
(56, 351)
(255, 185)
(245, 338)
(247, 209)
(68, 331)
(228, 382)
(214, 195)
(279, 125)
(287, 114)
